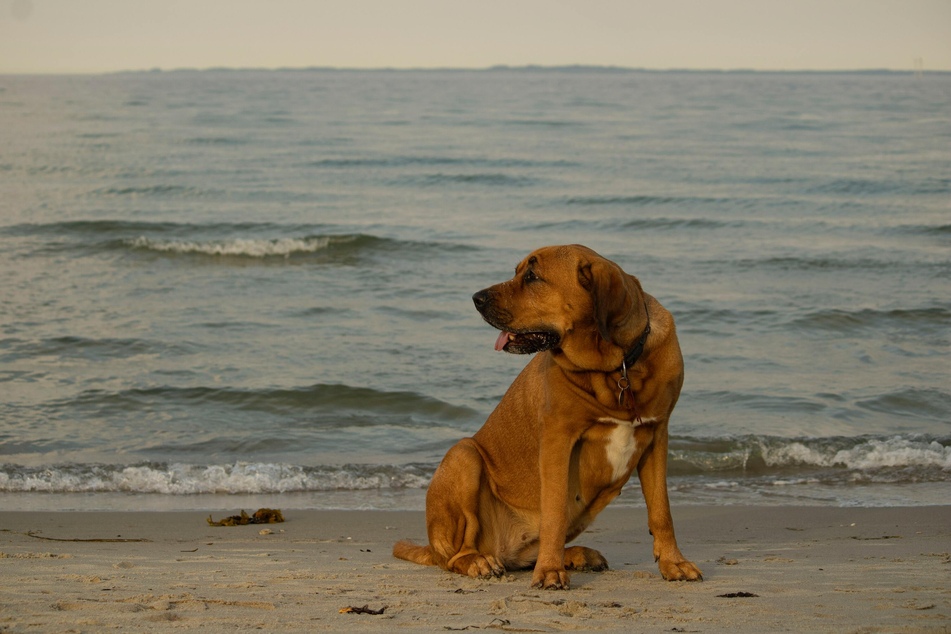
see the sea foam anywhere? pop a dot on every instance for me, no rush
(873, 453)
(238, 247)
(190, 479)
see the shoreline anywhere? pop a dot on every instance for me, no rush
(811, 568)
(684, 492)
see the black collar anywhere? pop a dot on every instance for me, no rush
(631, 357)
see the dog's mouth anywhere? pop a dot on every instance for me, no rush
(527, 342)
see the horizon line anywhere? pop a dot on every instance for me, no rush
(482, 69)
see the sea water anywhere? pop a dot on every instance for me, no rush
(224, 289)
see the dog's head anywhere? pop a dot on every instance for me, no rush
(567, 299)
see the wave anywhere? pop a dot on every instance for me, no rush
(94, 228)
(637, 224)
(701, 318)
(431, 161)
(870, 319)
(159, 190)
(898, 458)
(337, 397)
(925, 403)
(640, 200)
(763, 402)
(932, 323)
(223, 241)
(71, 347)
(833, 264)
(921, 404)
(191, 479)
(872, 187)
(544, 123)
(494, 179)
(85, 227)
(216, 140)
(678, 223)
(326, 248)
(894, 460)
(811, 264)
(928, 230)
(243, 247)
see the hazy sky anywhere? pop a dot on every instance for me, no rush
(57, 36)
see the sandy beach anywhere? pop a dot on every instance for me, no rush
(766, 569)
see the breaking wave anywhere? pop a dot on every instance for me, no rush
(894, 460)
(191, 479)
(911, 458)
(240, 247)
(247, 241)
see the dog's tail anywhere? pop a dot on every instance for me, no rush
(405, 549)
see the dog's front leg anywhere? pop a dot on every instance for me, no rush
(553, 459)
(652, 471)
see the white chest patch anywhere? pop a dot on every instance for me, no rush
(620, 445)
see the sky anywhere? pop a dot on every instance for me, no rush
(96, 36)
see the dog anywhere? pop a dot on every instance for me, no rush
(590, 408)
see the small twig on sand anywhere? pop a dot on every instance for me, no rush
(60, 539)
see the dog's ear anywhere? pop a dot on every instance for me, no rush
(614, 295)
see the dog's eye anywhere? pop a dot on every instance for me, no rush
(530, 276)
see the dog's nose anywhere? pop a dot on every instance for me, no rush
(480, 299)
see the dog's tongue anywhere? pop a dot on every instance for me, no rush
(502, 340)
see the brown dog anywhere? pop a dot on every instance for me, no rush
(569, 432)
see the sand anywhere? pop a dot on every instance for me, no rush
(795, 569)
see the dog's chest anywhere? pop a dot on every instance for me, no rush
(620, 446)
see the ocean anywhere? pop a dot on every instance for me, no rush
(231, 289)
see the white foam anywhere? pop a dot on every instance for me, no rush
(871, 454)
(238, 247)
(185, 479)
(895, 452)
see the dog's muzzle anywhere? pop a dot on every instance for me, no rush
(516, 341)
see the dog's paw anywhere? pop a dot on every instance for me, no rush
(581, 558)
(484, 567)
(550, 579)
(679, 570)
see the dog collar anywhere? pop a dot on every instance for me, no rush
(631, 357)
(625, 395)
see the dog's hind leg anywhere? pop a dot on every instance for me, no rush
(453, 520)
(583, 558)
